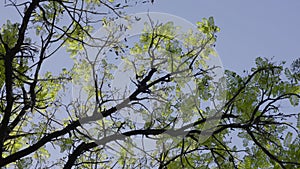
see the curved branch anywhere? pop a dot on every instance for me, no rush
(22, 153)
(10, 54)
(269, 154)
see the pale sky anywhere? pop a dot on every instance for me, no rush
(248, 28)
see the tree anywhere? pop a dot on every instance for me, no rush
(37, 120)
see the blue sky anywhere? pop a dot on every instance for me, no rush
(248, 28)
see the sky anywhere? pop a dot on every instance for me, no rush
(248, 28)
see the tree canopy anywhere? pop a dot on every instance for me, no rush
(176, 109)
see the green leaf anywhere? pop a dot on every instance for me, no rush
(294, 100)
(288, 139)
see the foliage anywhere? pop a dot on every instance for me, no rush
(259, 123)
